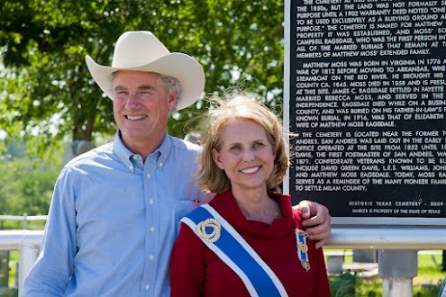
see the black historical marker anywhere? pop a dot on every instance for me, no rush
(367, 106)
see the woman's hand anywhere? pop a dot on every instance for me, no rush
(316, 221)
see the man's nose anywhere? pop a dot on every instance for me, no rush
(132, 101)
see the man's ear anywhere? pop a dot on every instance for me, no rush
(172, 101)
(216, 156)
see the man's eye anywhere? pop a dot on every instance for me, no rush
(145, 92)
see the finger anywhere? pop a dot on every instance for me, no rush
(320, 243)
(304, 208)
(319, 236)
(318, 232)
(314, 221)
(322, 217)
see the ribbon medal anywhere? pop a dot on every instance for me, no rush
(209, 230)
(302, 249)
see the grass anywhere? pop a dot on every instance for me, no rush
(349, 285)
(429, 270)
(19, 225)
(425, 284)
(13, 266)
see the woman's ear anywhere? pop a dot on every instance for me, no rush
(216, 156)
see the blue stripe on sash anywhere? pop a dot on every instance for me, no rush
(235, 251)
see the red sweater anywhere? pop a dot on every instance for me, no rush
(196, 271)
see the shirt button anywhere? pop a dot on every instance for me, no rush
(160, 164)
(148, 175)
(151, 201)
(152, 229)
(151, 257)
(147, 287)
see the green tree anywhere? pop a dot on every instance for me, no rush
(44, 42)
(27, 186)
(27, 177)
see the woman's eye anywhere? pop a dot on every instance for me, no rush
(258, 145)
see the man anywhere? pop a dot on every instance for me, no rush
(115, 210)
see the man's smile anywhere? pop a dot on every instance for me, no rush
(135, 117)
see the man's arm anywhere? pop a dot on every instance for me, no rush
(316, 220)
(50, 274)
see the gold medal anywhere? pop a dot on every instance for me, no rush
(306, 266)
(209, 230)
(302, 249)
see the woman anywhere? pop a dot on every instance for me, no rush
(247, 241)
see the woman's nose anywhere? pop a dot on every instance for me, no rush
(248, 155)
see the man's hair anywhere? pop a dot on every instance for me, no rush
(240, 106)
(173, 85)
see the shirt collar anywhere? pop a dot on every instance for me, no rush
(162, 152)
(125, 155)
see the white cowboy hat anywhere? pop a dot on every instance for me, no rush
(142, 51)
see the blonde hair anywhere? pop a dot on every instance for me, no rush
(240, 106)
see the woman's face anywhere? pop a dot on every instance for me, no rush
(246, 155)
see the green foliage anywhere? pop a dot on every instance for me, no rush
(429, 278)
(432, 291)
(46, 84)
(349, 285)
(426, 284)
(10, 293)
(343, 285)
(27, 180)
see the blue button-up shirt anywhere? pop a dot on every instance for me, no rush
(113, 221)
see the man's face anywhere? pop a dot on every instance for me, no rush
(141, 107)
